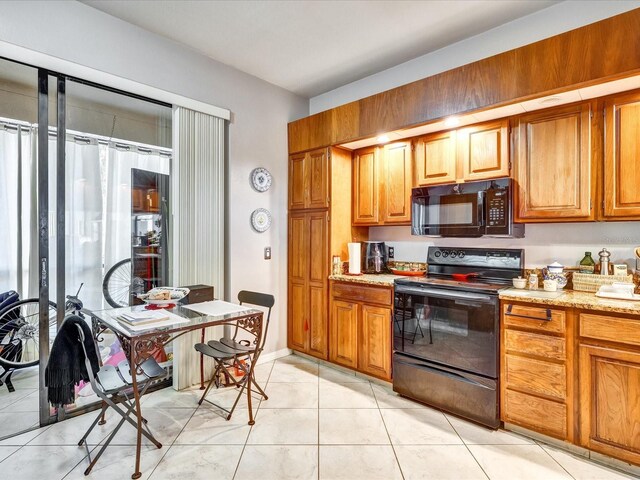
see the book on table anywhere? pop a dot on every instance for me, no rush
(143, 317)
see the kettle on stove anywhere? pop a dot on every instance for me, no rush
(374, 257)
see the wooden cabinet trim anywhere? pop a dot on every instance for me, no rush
(528, 410)
(612, 329)
(531, 317)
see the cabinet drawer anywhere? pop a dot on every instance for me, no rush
(541, 319)
(533, 344)
(361, 293)
(536, 376)
(614, 329)
(545, 416)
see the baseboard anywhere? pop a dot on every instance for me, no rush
(271, 356)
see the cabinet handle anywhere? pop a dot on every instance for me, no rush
(509, 314)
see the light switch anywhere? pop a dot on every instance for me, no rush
(391, 252)
(267, 253)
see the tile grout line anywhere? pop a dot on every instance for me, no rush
(553, 458)
(393, 448)
(246, 440)
(466, 446)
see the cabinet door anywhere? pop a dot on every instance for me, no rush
(344, 333)
(365, 187)
(297, 312)
(318, 254)
(609, 392)
(553, 165)
(622, 149)
(374, 341)
(483, 150)
(297, 186)
(436, 158)
(396, 183)
(318, 179)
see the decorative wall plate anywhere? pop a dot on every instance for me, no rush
(260, 220)
(260, 179)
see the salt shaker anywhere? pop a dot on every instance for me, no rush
(604, 261)
(533, 281)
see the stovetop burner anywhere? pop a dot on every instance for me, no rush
(493, 269)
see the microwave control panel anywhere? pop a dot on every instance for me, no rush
(497, 200)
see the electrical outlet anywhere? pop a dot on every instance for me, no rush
(267, 253)
(391, 251)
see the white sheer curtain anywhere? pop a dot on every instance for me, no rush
(17, 209)
(117, 163)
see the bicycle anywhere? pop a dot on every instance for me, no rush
(20, 333)
(118, 284)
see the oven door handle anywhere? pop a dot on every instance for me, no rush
(446, 373)
(433, 292)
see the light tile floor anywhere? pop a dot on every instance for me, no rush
(319, 423)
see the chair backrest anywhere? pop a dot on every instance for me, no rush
(261, 300)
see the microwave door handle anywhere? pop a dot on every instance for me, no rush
(482, 197)
(432, 292)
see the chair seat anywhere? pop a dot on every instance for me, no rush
(231, 343)
(150, 370)
(230, 350)
(110, 380)
(212, 352)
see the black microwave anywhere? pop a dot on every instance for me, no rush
(472, 209)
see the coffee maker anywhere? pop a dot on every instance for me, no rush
(374, 257)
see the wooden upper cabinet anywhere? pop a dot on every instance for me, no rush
(621, 157)
(297, 187)
(553, 164)
(309, 180)
(365, 209)
(483, 150)
(436, 158)
(396, 181)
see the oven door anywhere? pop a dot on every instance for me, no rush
(453, 215)
(450, 327)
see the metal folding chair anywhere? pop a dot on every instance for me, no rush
(230, 352)
(114, 387)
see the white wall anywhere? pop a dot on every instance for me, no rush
(257, 134)
(543, 243)
(551, 21)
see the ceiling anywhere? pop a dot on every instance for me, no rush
(313, 46)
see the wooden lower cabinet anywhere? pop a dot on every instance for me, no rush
(343, 333)
(360, 334)
(609, 389)
(536, 379)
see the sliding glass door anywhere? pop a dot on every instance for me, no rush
(83, 184)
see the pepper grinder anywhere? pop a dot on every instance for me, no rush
(604, 261)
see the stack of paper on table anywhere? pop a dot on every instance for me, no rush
(143, 317)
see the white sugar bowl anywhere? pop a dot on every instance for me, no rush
(555, 267)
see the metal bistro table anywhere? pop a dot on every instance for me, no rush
(138, 345)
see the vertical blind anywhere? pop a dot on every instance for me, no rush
(198, 220)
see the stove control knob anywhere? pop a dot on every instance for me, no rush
(461, 254)
(437, 254)
(445, 254)
(454, 254)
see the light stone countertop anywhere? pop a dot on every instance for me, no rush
(574, 299)
(381, 279)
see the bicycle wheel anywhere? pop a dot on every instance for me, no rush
(20, 333)
(118, 284)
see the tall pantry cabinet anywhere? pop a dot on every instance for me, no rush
(319, 190)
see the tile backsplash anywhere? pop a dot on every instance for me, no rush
(543, 243)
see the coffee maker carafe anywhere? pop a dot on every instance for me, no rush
(374, 257)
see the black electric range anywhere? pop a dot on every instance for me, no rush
(446, 330)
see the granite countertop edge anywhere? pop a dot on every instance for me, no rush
(581, 300)
(382, 279)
